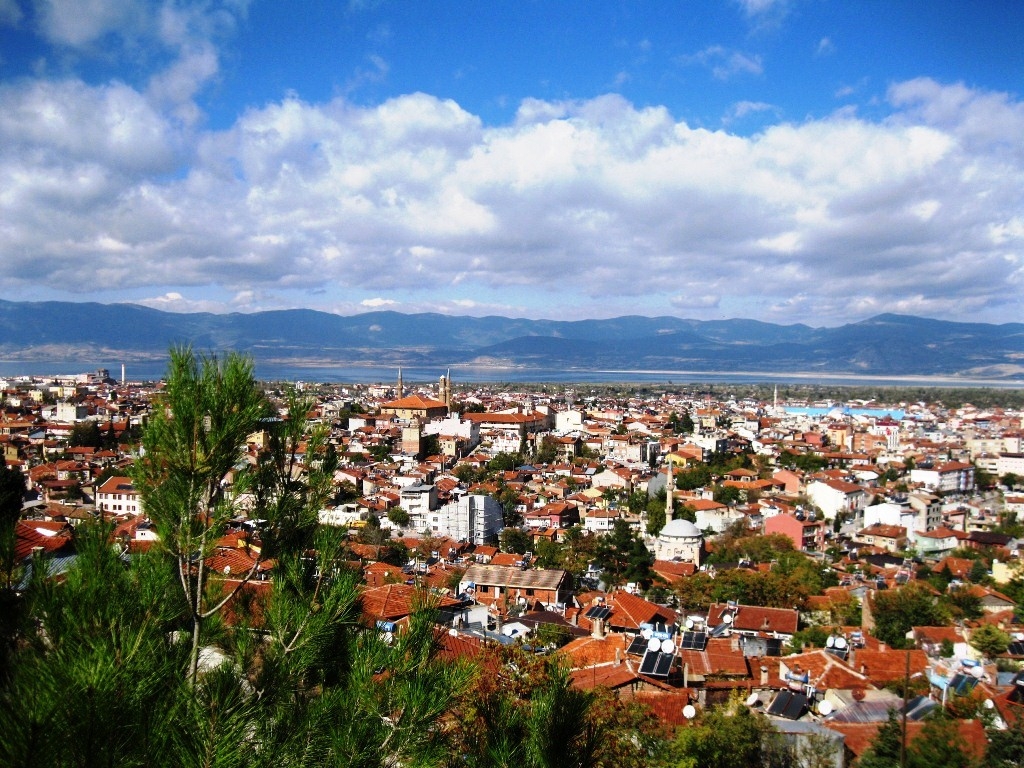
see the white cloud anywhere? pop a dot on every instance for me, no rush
(580, 204)
(172, 301)
(825, 47)
(726, 63)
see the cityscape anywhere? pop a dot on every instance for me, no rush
(620, 384)
(677, 555)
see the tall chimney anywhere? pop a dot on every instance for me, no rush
(764, 675)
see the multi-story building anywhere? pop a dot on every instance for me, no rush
(118, 495)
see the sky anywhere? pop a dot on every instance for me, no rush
(791, 161)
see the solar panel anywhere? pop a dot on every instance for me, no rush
(778, 705)
(962, 684)
(638, 647)
(839, 652)
(788, 704)
(663, 665)
(649, 663)
(598, 612)
(796, 707)
(694, 641)
(1016, 648)
(719, 630)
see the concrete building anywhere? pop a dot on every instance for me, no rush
(679, 540)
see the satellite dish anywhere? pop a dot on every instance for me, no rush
(646, 633)
(977, 672)
(989, 704)
(840, 643)
(825, 709)
(752, 699)
(689, 623)
(689, 712)
(667, 646)
(453, 632)
(654, 644)
(831, 642)
(727, 618)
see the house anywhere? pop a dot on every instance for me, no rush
(951, 477)
(806, 534)
(117, 494)
(890, 537)
(749, 619)
(836, 497)
(415, 407)
(502, 585)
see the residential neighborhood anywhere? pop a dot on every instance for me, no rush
(822, 564)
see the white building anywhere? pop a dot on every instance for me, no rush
(679, 540)
(475, 518)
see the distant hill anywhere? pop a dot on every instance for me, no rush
(886, 345)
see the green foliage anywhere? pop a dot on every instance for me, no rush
(622, 556)
(731, 548)
(989, 640)
(961, 604)
(726, 494)
(86, 434)
(1006, 747)
(504, 462)
(808, 463)
(515, 540)
(733, 737)
(897, 610)
(886, 748)
(693, 478)
(398, 516)
(938, 745)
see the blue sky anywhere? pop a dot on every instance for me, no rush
(809, 161)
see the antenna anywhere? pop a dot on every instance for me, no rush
(654, 644)
(841, 643)
(689, 712)
(752, 699)
(831, 642)
(727, 618)
(667, 646)
(689, 623)
(825, 709)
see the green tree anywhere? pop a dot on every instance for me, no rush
(989, 640)
(938, 745)
(515, 540)
(87, 434)
(897, 610)
(194, 442)
(622, 556)
(886, 748)
(730, 737)
(398, 516)
(12, 608)
(1006, 747)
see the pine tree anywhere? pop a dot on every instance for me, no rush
(886, 747)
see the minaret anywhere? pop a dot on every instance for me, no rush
(448, 389)
(122, 375)
(670, 486)
(401, 386)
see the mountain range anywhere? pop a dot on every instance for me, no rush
(884, 345)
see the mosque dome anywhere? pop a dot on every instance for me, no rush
(680, 529)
